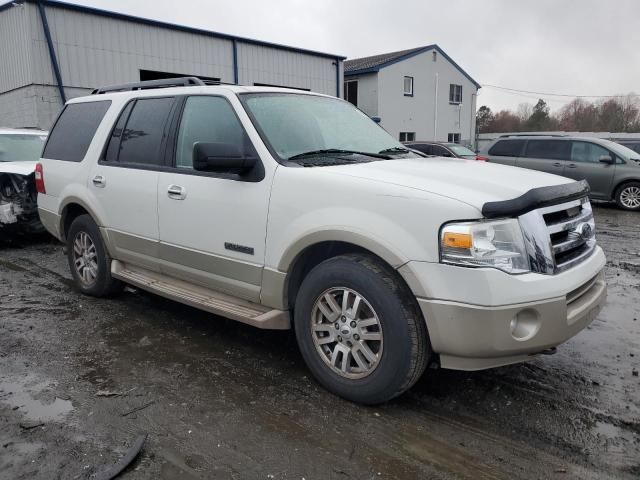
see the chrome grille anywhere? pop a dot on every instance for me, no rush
(560, 236)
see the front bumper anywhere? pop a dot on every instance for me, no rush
(478, 329)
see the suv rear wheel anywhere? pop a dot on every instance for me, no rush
(359, 329)
(628, 196)
(89, 263)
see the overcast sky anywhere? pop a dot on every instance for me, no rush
(576, 47)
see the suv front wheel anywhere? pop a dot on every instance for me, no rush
(628, 196)
(89, 263)
(360, 330)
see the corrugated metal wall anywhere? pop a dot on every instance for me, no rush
(95, 50)
(15, 36)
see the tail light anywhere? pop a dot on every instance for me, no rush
(40, 179)
(482, 158)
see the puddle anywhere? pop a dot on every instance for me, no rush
(606, 430)
(21, 397)
(12, 266)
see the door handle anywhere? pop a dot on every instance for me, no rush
(572, 165)
(99, 181)
(176, 192)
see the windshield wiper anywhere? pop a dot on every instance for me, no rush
(395, 150)
(326, 151)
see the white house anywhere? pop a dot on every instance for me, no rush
(418, 94)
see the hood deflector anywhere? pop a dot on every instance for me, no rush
(536, 198)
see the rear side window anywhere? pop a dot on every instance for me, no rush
(549, 149)
(507, 148)
(142, 137)
(74, 130)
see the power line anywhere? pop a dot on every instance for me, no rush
(546, 94)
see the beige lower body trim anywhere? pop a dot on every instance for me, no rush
(51, 222)
(472, 337)
(273, 289)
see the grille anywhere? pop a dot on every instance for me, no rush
(559, 237)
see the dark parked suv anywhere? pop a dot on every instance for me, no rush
(612, 170)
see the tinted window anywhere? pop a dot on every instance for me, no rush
(421, 147)
(142, 137)
(74, 130)
(441, 151)
(588, 152)
(550, 149)
(114, 142)
(507, 148)
(207, 119)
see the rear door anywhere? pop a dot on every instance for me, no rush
(546, 156)
(585, 164)
(125, 181)
(506, 152)
(441, 151)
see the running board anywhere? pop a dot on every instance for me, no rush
(202, 298)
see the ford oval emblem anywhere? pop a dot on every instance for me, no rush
(584, 230)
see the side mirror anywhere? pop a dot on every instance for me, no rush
(221, 158)
(606, 159)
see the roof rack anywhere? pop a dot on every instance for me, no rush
(533, 135)
(162, 83)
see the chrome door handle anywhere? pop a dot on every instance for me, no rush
(99, 181)
(176, 192)
(557, 164)
(572, 165)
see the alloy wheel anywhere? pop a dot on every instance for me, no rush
(346, 332)
(85, 258)
(630, 197)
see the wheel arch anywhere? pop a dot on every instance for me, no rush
(72, 208)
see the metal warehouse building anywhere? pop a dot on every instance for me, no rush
(51, 51)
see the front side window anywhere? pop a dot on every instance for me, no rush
(586, 152)
(507, 148)
(548, 149)
(210, 120)
(292, 124)
(142, 137)
(407, 136)
(455, 93)
(74, 130)
(20, 147)
(408, 86)
(351, 92)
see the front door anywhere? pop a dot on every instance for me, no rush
(213, 226)
(125, 182)
(585, 165)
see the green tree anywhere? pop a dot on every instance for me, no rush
(484, 119)
(539, 119)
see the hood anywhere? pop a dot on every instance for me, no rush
(468, 181)
(18, 168)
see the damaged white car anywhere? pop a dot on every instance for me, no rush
(19, 152)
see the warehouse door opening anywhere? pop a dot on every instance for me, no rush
(154, 75)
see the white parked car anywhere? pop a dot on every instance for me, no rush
(286, 209)
(20, 150)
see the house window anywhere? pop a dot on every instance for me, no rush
(351, 92)
(408, 87)
(407, 136)
(453, 138)
(455, 93)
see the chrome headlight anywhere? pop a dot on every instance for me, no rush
(496, 244)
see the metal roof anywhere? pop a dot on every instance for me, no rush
(358, 66)
(171, 26)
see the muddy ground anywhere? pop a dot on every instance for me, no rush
(225, 401)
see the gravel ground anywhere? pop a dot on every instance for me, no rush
(82, 378)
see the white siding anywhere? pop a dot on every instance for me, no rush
(417, 114)
(367, 93)
(275, 66)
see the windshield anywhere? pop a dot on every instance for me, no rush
(462, 151)
(624, 152)
(20, 147)
(295, 124)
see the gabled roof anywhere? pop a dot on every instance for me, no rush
(170, 26)
(358, 66)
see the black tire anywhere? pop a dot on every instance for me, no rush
(627, 187)
(104, 285)
(406, 347)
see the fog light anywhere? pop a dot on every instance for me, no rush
(525, 325)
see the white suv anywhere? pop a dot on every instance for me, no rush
(286, 209)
